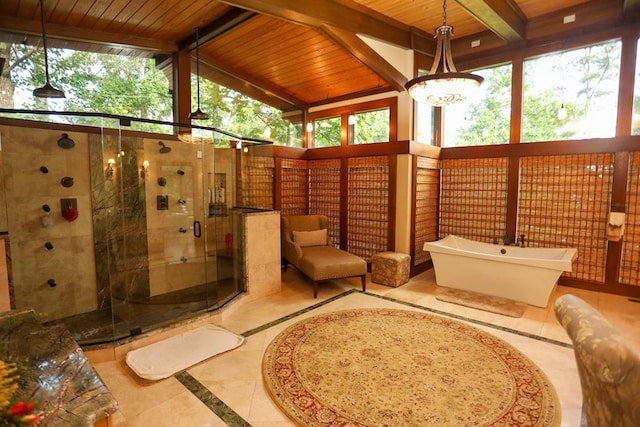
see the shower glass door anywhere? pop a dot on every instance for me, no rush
(157, 273)
(224, 280)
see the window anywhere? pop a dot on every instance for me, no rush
(130, 86)
(572, 94)
(369, 126)
(424, 123)
(92, 82)
(364, 123)
(239, 114)
(326, 132)
(635, 124)
(484, 119)
(292, 136)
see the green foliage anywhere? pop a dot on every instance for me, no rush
(489, 119)
(578, 79)
(134, 87)
(372, 126)
(326, 132)
(236, 113)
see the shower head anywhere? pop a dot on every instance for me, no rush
(163, 148)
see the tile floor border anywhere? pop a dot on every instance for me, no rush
(230, 417)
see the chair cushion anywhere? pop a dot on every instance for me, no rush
(608, 367)
(327, 262)
(310, 238)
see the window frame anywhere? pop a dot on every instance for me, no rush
(345, 111)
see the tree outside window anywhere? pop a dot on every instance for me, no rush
(129, 86)
(572, 94)
(326, 132)
(370, 126)
(484, 119)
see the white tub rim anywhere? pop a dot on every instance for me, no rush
(451, 245)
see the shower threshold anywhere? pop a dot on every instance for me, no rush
(126, 319)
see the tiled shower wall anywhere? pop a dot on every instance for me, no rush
(59, 281)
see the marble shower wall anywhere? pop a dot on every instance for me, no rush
(119, 222)
(60, 281)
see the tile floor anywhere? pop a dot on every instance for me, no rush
(230, 385)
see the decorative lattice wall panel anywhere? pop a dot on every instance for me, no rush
(368, 212)
(426, 207)
(564, 202)
(295, 184)
(473, 198)
(324, 193)
(257, 182)
(630, 262)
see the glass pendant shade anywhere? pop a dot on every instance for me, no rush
(198, 115)
(448, 86)
(48, 91)
(562, 113)
(442, 89)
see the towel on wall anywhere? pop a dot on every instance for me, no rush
(615, 226)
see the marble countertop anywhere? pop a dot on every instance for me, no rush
(58, 378)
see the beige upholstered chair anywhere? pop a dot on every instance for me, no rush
(306, 246)
(609, 370)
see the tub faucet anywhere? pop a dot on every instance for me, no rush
(522, 240)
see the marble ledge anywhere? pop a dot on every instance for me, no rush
(253, 211)
(57, 376)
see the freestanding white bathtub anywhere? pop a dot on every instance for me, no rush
(521, 274)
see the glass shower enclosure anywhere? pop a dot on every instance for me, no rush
(156, 214)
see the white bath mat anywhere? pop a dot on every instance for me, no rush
(172, 355)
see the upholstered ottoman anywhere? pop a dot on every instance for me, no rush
(390, 268)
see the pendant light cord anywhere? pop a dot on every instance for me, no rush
(197, 63)
(444, 13)
(44, 42)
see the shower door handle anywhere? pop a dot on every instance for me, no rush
(197, 229)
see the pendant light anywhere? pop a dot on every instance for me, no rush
(562, 113)
(198, 114)
(446, 87)
(46, 91)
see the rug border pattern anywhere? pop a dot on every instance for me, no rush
(300, 409)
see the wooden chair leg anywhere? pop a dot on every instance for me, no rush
(364, 282)
(315, 289)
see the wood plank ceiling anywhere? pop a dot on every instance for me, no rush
(294, 54)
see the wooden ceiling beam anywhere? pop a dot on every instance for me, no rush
(103, 38)
(631, 8)
(317, 13)
(591, 23)
(503, 17)
(244, 84)
(365, 54)
(630, 5)
(347, 97)
(217, 27)
(594, 22)
(341, 23)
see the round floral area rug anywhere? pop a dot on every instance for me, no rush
(385, 367)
